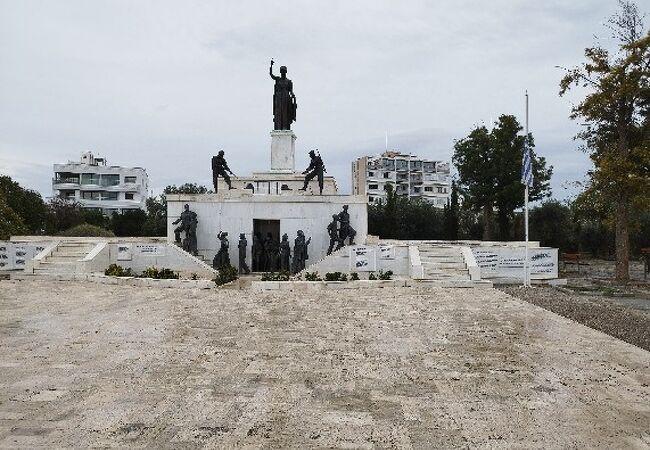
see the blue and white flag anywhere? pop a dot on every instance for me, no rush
(527, 166)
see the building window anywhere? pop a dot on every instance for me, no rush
(428, 189)
(109, 195)
(371, 174)
(128, 196)
(110, 179)
(440, 190)
(373, 186)
(130, 179)
(90, 195)
(371, 198)
(386, 175)
(89, 178)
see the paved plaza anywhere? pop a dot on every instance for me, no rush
(92, 365)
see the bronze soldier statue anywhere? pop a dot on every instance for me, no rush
(285, 253)
(222, 258)
(243, 243)
(300, 252)
(271, 253)
(345, 231)
(284, 100)
(188, 223)
(258, 253)
(316, 169)
(220, 168)
(333, 232)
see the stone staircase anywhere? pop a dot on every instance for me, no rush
(444, 263)
(64, 258)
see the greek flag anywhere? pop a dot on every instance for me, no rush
(527, 166)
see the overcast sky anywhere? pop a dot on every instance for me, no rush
(165, 84)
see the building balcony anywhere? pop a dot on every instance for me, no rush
(65, 183)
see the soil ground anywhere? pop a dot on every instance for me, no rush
(90, 365)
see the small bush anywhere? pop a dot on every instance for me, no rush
(86, 230)
(312, 276)
(372, 276)
(118, 271)
(385, 275)
(159, 274)
(272, 276)
(336, 276)
(354, 276)
(226, 275)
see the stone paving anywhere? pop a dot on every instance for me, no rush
(90, 365)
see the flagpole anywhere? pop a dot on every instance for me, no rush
(526, 274)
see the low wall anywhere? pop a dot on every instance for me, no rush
(134, 253)
(367, 258)
(17, 255)
(502, 261)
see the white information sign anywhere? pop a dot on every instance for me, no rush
(363, 259)
(124, 252)
(508, 262)
(151, 249)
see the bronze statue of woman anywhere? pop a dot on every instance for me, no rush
(284, 100)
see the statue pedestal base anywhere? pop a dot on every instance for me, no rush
(283, 149)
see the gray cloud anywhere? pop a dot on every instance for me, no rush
(165, 84)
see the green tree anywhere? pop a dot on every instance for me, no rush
(617, 132)
(11, 223)
(552, 224)
(28, 204)
(156, 223)
(129, 223)
(187, 188)
(403, 218)
(489, 173)
(451, 213)
(61, 215)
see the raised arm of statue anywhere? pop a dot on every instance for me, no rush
(271, 71)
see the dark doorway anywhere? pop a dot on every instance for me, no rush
(261, 262)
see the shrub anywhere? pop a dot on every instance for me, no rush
(226, 275)
(86, 230)
(312, 276)
(372, 276)
(385, 275)
(336, 276)
(118, 271)
(159, 274)
(272, 276)
(354, 276)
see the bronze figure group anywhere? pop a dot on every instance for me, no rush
(188, 223)
(270, 255)
(340, 230)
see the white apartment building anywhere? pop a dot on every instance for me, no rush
(407, 174)
(95, 185)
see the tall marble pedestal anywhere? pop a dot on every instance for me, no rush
(283, 149)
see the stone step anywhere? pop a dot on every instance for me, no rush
(47, 263)
(428, 274)
(434, 276)
(440, 256)
(76, 245)
(66, 256)
(442, 259)
(444, 265)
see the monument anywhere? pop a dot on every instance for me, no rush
(265, 206)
